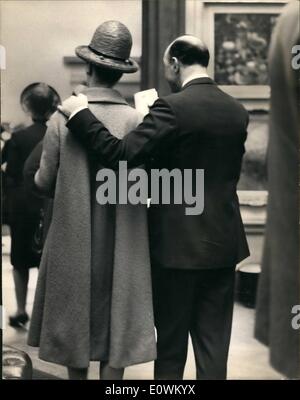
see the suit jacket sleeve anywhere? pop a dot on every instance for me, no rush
(154, 134)
(45, 178)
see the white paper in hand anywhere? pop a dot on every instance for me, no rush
(145, 99)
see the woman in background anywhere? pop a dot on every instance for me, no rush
(4, 140)
(39, 101)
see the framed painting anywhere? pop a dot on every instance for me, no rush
(238, 34)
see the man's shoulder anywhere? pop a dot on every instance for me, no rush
(173, 98)
(174, 103)
(181, 104)
(180, 100)
(235, 106)
(183, 98)
(167, 103)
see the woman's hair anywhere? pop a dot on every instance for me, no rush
(40, 100)
(107, 75)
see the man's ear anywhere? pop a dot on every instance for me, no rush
(175, 64)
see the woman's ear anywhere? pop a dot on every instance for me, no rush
(25, 107)
(89, 69)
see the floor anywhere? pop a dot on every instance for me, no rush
(248, 358)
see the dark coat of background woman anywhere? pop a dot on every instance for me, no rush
(39, 101)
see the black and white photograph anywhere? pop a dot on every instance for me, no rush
(150, 192)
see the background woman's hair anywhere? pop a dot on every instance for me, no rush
(40, 99)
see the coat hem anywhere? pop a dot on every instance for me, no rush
(134, 361)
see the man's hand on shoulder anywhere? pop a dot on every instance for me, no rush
(73, 104)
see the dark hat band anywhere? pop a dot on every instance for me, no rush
(106, 56)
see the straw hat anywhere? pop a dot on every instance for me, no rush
(110, 48)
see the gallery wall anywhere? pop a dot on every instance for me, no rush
(37, 36)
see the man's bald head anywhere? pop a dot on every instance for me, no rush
(188, 50)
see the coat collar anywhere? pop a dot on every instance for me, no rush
(199, 81)
(103, 95)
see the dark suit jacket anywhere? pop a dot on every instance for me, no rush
(200, 127)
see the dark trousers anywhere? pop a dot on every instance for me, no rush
(195, 302)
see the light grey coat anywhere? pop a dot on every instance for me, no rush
(279, 287)
(60, 323)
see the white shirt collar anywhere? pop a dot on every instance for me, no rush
(194, 76)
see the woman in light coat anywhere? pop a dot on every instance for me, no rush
(94, 299)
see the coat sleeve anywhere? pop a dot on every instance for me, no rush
(158, 129)
(45, 177)
(31, 166)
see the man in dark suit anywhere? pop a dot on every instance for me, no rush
(193, 256)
